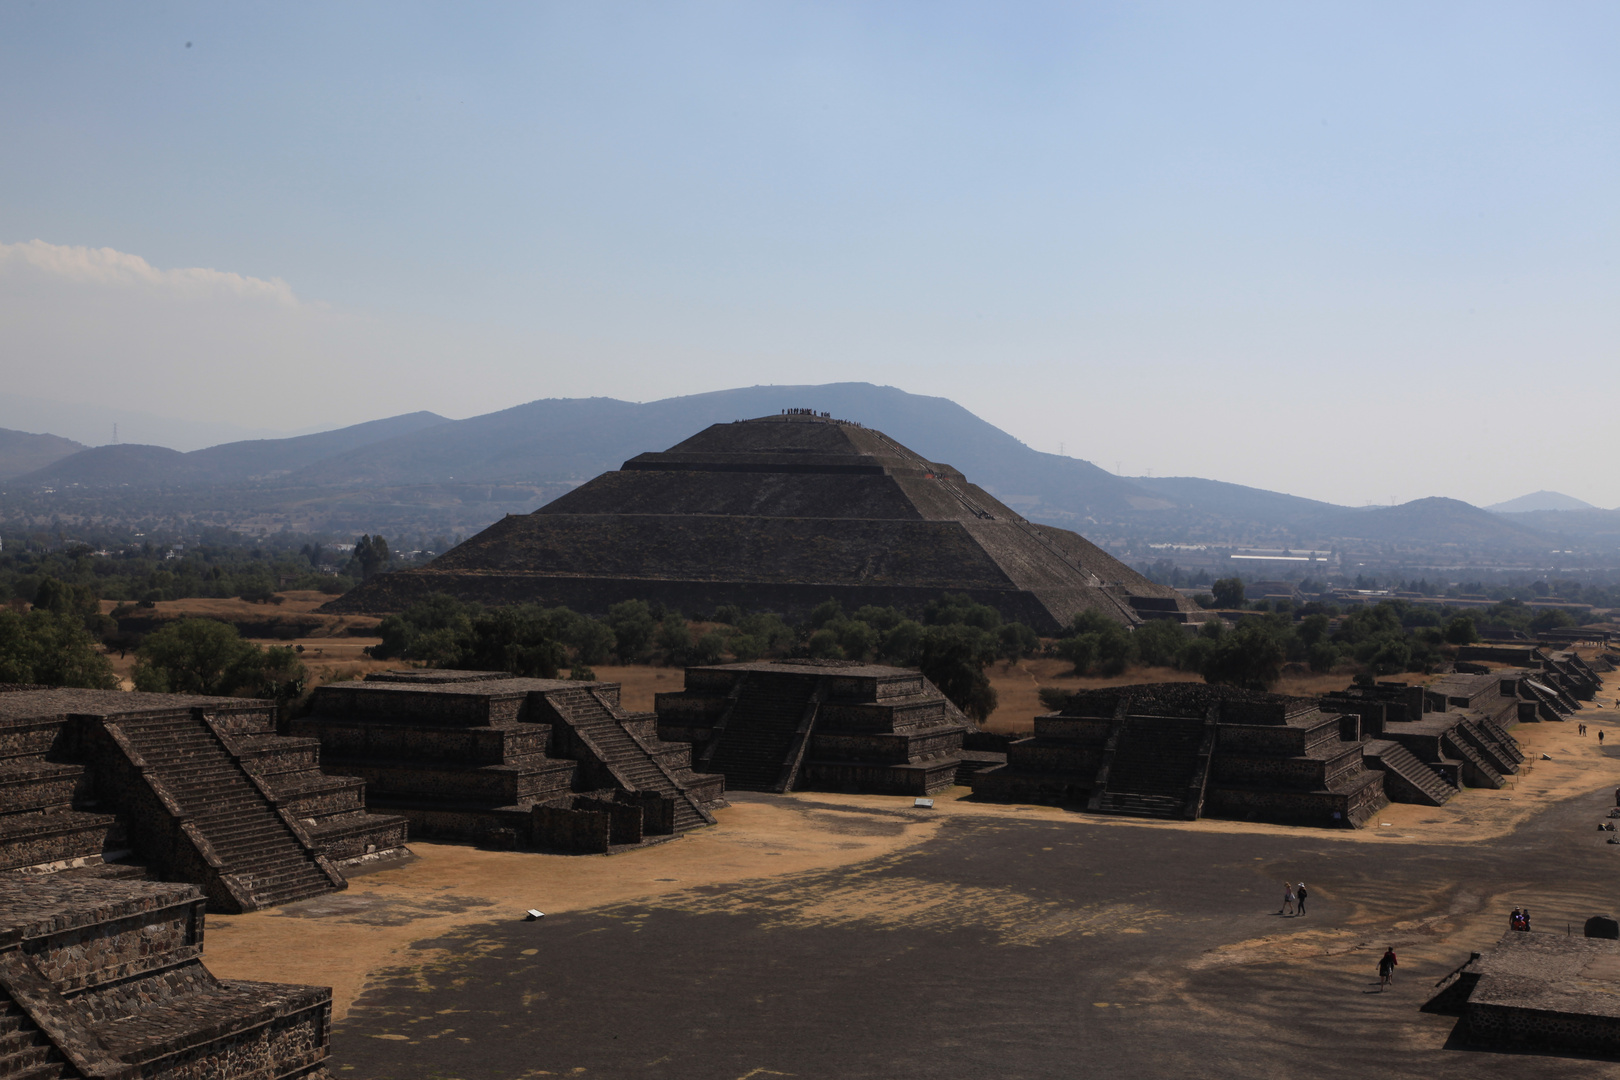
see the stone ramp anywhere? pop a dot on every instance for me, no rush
(632, 763)
(1407, 779)
(760, 735)
(1154, 765)
(252, 854)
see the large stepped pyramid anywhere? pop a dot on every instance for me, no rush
(200, 789)
(781, 513)
(102, 976)
(510, 762)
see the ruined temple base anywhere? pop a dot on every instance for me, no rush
(1542, 991)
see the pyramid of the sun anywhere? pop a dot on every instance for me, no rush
(780, 514)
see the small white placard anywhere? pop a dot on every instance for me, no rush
(926, 804)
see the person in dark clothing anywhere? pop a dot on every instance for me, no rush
(1386, 967)
(1299, 896)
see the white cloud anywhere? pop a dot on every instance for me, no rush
(118, 269)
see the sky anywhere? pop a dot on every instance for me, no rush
(1359, 252)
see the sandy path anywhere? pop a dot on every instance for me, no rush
(340, 939)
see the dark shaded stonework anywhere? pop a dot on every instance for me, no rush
(1548, 993)
(1183, 750)
(510, 762)
(780, 514)
(102, 977)
(199, 789)
(820, 725)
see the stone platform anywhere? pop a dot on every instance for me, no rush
(508, 762)
(200, 789)
(103, 978)
(1183, 750)
(819, 725)
(1547, 992)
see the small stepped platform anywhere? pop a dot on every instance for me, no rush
(820, 725)
(103, 977)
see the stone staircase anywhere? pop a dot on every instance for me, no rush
(632, 764)
(1506, 743)
(1483, 773)
(332, 809)
(1155, 762)
(267, 862)
(25, 1051)
(1416, 781)
(1493, 752)
(760, 730)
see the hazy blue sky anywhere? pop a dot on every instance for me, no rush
(1353, 252)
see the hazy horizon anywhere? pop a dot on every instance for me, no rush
(1354, 253)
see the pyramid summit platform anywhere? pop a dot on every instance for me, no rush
(782, 513)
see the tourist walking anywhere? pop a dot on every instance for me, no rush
(1288, 899)
(1386, 968)
(1300, 894)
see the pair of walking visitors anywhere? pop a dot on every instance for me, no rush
(1519, 920)
(1293, 899)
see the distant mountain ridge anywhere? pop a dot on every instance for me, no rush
(1540, 500)
(529, 453)
(22, 452)
(239, 462)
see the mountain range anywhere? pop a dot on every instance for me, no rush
(471, 471)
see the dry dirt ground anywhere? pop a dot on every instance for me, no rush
(819, 935)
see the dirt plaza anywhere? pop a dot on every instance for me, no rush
(858, 936)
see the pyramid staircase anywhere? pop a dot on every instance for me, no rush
(629, 758)
(760, 741)
(1154, 764)
(252, 855)
(1414, 781)
(26, 1052)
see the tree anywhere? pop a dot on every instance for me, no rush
(1160, 642)
(371, 554)
(1097, 644)
(517, 639)
(953, 659)
(633, 628)
(1228, 592)
(1250, 657)
(1461, 630)
(205, 656)
(49, 649)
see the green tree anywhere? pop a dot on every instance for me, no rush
(1160, 642)
(518, 639)
(1550, 619)
(372, 555)
(1461, 630)
(953, 658)
(50, 649)
(633, 628)
(1014, 641)
(1228, 592)
(1251, 657)
(205, 656)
